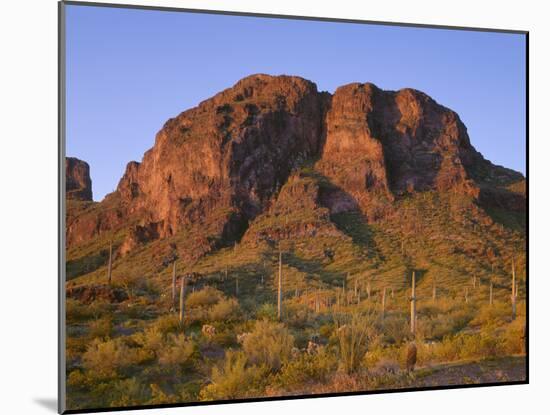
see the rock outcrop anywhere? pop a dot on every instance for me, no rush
(381, 144)
(78, 181)
(222, 164)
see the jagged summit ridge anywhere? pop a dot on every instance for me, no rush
(221, 164)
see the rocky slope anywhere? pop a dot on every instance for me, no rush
(216, 167)
(79, 184)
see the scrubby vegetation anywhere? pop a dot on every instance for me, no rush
(336, 332)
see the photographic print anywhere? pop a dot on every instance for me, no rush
(265, 207)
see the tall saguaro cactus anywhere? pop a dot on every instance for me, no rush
(110, 266)
(182, 300)
(413, 303)
(344, 293)
(434, 289)
(317, 302)
(174, 285)
(280, 286)
(514, 290)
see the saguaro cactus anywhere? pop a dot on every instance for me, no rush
(514, 290)
(317, 303)
(174, 285)
(182, 299)
(280, 286)
(434, 289)
(413, 303)
(110, 265)
(344, 293)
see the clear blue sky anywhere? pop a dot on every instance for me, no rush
(128, 71)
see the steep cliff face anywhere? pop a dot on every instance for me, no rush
(78, 181)
(223, 160)
(230, 153)
(381, 144)
(222, 164)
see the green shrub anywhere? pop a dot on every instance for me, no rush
(269, 344)
(103, 359)
(206, 297)
(127, 392)
(233, 379)
(267, 311)
(224, 310)
(151, 341)
(177, 351)
(306, 368)
(354, 333)
(167, 323)
(101, 327)
(513, 336)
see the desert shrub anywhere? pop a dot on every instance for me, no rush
(438, 326)
(177, 351)
(307, 368)
(101, 327)
(461, 316)
(386, 366)
(296, 314)
(76, 311)
(498, 313)
(378, 353)
(487, 343)
(77, 379)
(159, 396)
(354, 333)
(75, 346)
(267, 311)
(134, 310)
(394, 329)
(168, 323)
(224, 336)
(326, 330)
(513, 336)
(126, 392)
(151, 340)
(206, 297)
(224, 310)
(103, 359)
(269, 344)
(234, 379)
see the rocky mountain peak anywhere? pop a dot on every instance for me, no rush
(78, 181)
(221, 164)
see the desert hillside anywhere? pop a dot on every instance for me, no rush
(294, 222)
